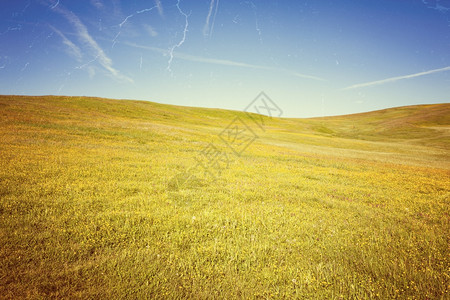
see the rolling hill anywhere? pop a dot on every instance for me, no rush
(419, 123)
(104, 198)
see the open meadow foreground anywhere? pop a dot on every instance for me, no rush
(122, 199)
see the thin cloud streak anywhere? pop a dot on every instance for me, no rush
(73, 49)
(392, 79)
(223, 62)
(87, 39)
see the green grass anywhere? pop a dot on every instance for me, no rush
(100, 198)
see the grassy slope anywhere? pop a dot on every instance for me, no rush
(93, 203)
(420, 123)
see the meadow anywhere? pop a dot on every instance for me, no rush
(104, 198)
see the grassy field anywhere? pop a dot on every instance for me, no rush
(106, 199)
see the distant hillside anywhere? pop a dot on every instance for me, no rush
(417, 123)
(420, 124)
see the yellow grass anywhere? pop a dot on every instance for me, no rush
(102, 199)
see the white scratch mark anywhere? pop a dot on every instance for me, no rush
(5, 61)
(88, 63)
(35, 39)
(52, 7)
(136, 13)
(207, 29)
(256, 21)
(186, 25)
(115, 39)
(24, 67)
(126, 20)
(19, 27)
(65, 81)
(25, 8)
(437, 6)
(214, 18)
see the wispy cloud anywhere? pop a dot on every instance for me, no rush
(151, 31)
(223, 62)
(392, 79)
(97, 3)
(160, 8)
(72, 49)
(87, 39)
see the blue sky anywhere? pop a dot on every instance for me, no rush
(312, 58)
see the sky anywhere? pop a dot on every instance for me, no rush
(312, 58)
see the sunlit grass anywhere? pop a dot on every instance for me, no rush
(88, 207)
